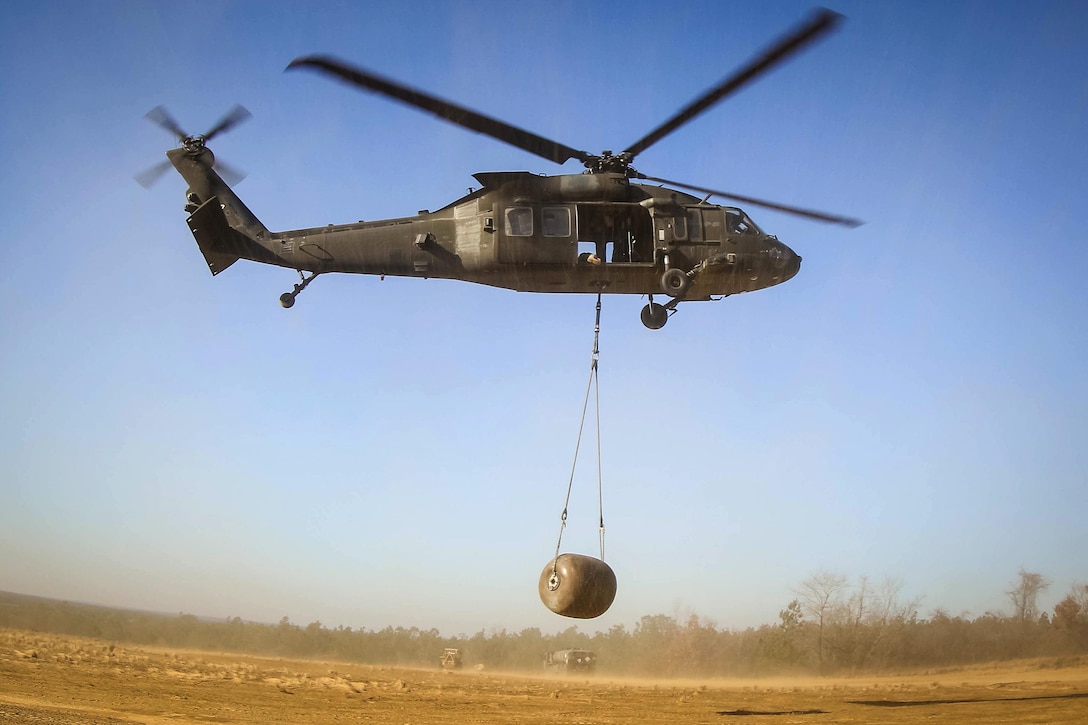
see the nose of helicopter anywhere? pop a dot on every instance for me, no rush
(787, 263)
(793, 265)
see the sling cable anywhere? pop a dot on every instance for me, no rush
(576, 585)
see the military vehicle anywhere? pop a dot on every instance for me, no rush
(451, 659)
(570, 660)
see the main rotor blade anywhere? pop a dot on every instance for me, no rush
(234, 116)
(823, 21)
(798, 211)
(522, 139)
(150, 176)
(159, 116)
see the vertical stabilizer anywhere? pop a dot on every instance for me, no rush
(204, 184)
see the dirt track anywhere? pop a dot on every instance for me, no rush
(57, 680)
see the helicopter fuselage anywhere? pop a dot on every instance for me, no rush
(572, 233)
(569, 233)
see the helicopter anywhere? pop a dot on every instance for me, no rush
(596, 231)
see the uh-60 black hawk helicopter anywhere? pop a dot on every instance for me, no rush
(597, 231)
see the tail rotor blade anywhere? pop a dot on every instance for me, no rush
(235, 116)
(160, 117)
(228, 173)
(147, 178)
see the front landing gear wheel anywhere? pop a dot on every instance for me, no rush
(654, 316)
(287, 300)
(675, 282)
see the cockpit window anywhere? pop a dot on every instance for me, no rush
(737, 222)
(555, 221)
(519, 221)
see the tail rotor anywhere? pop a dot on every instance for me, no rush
(194, 145)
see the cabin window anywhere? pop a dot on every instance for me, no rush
(591, 252)
(695, 225)
(519, 221)
(555, 221)
(679, 227)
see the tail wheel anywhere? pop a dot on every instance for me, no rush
(675, 282)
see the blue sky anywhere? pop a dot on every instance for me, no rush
(912, 405)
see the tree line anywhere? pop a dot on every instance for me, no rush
(833, 626)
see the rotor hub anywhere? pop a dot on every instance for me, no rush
(608, 163)
(194, 144)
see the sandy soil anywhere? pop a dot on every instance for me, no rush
(60, 680)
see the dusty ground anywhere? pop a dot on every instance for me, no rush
(52, 679)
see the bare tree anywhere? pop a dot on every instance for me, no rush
(820, 597)
(1025, 594)
(850, 633)
(866, 629)
(888, 619)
